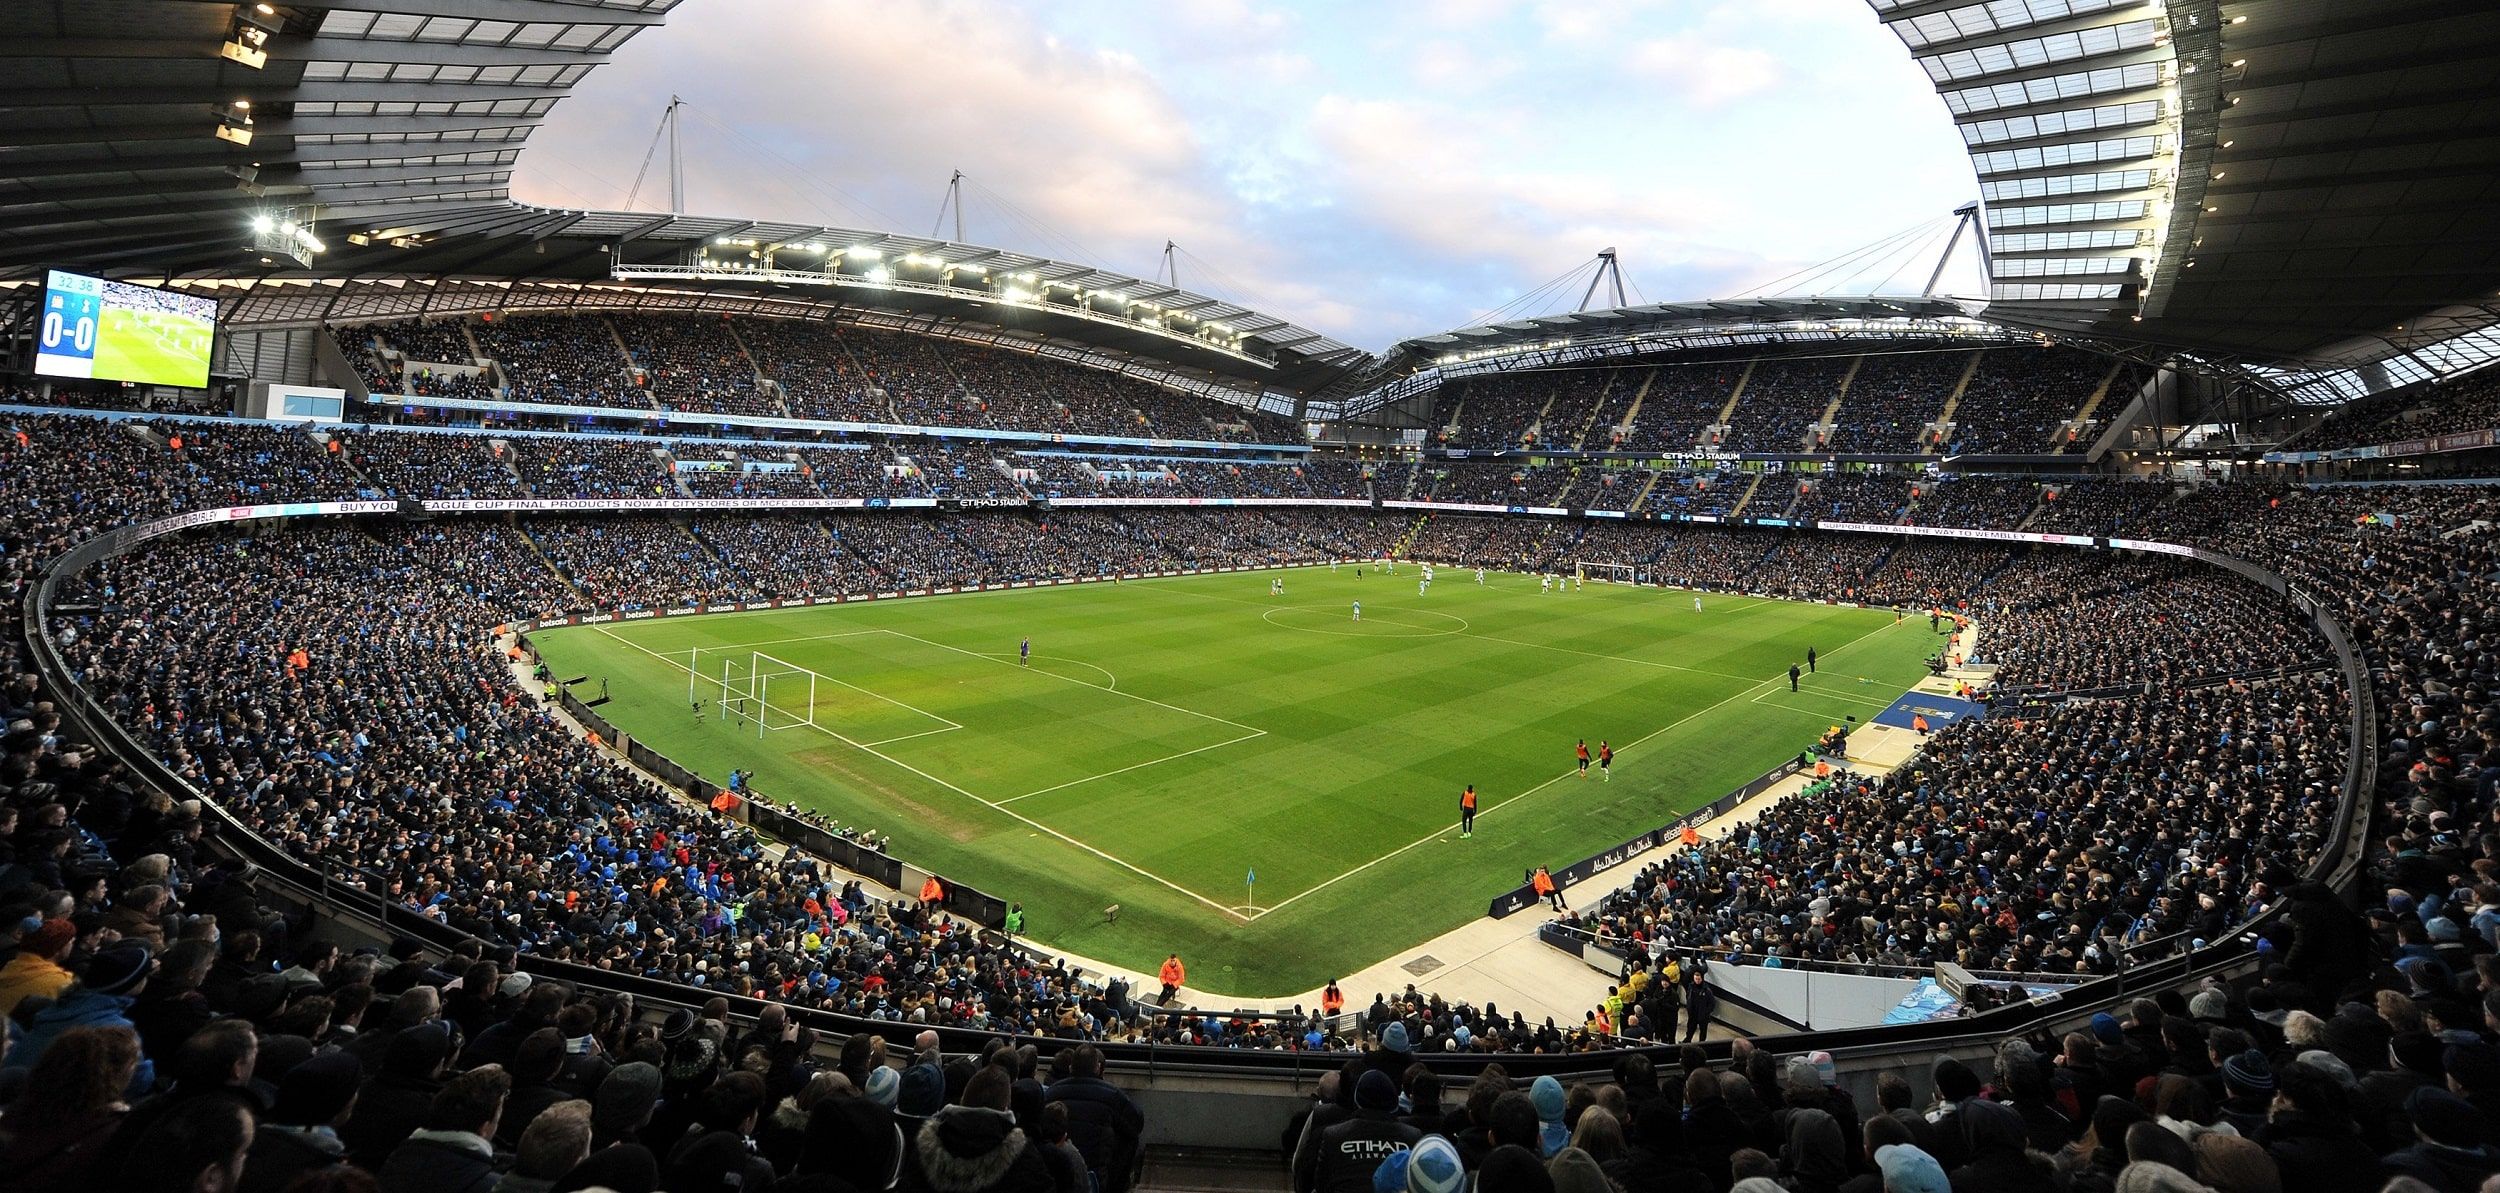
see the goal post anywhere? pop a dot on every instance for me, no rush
(1606, 571)
(753, 687)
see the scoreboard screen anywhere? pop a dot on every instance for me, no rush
(114, 331)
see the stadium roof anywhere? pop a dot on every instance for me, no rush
(1598, 335)
(139, 139)
(138, 134)
(2290, 182)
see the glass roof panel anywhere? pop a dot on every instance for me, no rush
(2058, 267)
(1956, 65)
(2066, 184)
(2065, 213)
(2046, 157)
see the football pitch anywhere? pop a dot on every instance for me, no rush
(1173, 736)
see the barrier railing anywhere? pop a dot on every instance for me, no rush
(2337, 862)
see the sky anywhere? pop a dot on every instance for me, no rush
(1371, 169)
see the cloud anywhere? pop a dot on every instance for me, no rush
(1369, 171)
(1707, 73)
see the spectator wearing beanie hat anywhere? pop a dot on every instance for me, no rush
(2414, 1063)
(2474, 1074)
(36, 971)
(101, 997)
(1908, 1169)
(2247, 1091)
(1552, 1136)
(2448, 1152)
(2210, 1007)
(1433, 1167)
(623, 1105)
(300, 1133)
(884, 1085)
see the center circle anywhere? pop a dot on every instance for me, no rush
(1386, 622)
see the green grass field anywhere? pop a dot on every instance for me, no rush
(154, 347)
(1173, 735)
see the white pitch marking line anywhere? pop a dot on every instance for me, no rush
(1466, 633)
(1111, 683)
(1208, 716)
(887, 741)
(1481, 813)
(1866, 701)
(1027, 821)
(1230, 741)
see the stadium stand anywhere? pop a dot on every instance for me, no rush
(2017, 398)
(2472, 404)
(1893, 398)
(818, 376)
(1782, 399)
(1680, 405)
(694, 364)
(565, 360)
(2417, 604)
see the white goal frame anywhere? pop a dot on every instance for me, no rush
(759, 689)
(1606, 571)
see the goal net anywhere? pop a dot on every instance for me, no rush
(1610, 573)
(749, 687)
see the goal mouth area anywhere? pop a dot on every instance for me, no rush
(752, 687)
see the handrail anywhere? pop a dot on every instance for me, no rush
(2337, 862)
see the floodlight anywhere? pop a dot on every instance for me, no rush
(880, 274)
(861, 252)
(1016, 294)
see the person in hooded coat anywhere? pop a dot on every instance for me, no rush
(1993, 1147)
(1656, 1159)
(1713, 1130)
(2312, 1136)
(855, 1142)
(975, 1146)
(1814, 1159)
(392, 1104)
(1511, 1168)
(2092, 1164)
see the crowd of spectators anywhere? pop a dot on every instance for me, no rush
(564, 360)
(818, 376)
(2175, 832)
(2469, 404)
(1500, 410)
(1782, 400)
(2003, 502)
(1849, 496)
(2123, 507)
(373, 731)
(2018, 398)
(1682, 402)
(694, 363)
(591, 466)
(1893, 398)
(424, 466)
(423, 341)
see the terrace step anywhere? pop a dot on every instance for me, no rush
(1624, 425)
(1831, 413)
(1747, 499)
(1954, 399)
(2084, 416)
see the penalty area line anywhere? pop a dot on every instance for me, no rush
(1230, 741)
(1483, 812)
(993, 805)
